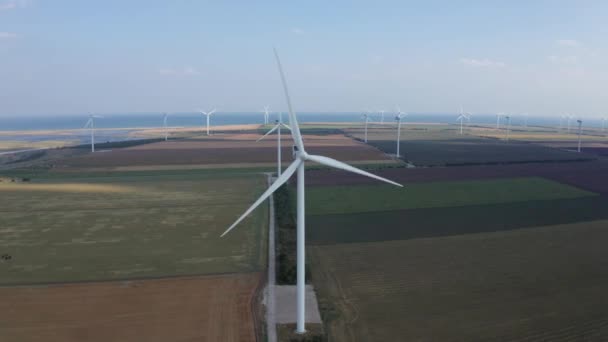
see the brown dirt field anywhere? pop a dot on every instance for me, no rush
(224, 151)
(210, 308)
(590, 176)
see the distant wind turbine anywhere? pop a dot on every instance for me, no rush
(463, 116)
(498, 119)
(568, 118)
(508, 118)
(277, 127)
(165, 128)
(208, 115)
(400, 115)
(298, 165)
(91, 125)
(266, 114)
(367, 119)
(381, 116)
(580, 131)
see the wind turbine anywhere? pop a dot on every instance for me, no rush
(498, 119)
(580, 130)
(381, 116)
(568, 118)
(400, 115)
(91, 125)
(166, 129)
(463, 116)
(266, 114)
(298, 165)
(508, 118)
(367, 118)
(208, 115)
(277, 127)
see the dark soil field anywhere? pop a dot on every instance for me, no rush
(590, 176)
(238, 149)
(475, 151)
(210, 308)
(541, 284)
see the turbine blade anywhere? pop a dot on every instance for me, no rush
(343, 166)
(277, 183)
(88, 123)
(269, 132)
(286, 126)
(293, 121)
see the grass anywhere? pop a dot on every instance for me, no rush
(369, 198)
(98, 228)
(532, 284)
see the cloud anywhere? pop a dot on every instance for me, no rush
(563, 59)
(185, 71)
(482, 63)
(7, 35)
(297, 30)
(567, 42)
(13, 4)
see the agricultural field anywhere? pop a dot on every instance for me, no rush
(532, 284)
(590, 176)
(442, 145)
(451, 257)
(203, 308)
(120, 226)
(228, 150)
(381, 197)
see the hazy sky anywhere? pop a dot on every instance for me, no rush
(67, 57)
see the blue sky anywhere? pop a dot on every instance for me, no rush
(71, 57)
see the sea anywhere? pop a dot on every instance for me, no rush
(151, 120)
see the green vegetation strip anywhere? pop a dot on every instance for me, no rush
(370, 198)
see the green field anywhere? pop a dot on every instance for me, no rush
(531, 284)
(125, 225)
(369, 198)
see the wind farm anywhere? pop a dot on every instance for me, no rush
(259, 181)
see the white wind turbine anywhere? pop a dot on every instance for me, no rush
(498, 119)
(208, 115)
(463, 116)
(381, 116)
(367, 118)
(165, 128)
(266, 114)
(580, 131)
(508, 118)
(277, 127)
(400, 115)
(568, 118)
(298, 165)
(91, 126)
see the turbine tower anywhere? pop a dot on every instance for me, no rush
(381, 116)
(208, 115)
(498, 119)
(366, 117)
(165, 128)
(266, 114)
(568, 118)
(580, 130)
(508, 118)
(277, 127)
(400, 115)
(298, 165)
(91, 126)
